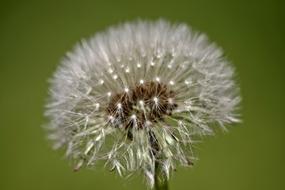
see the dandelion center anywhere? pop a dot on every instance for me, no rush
(145, 103)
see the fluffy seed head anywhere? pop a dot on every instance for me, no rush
(138, 94)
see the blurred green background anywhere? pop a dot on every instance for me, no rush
(34, 35)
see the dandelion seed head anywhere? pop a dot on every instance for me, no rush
(149, 89)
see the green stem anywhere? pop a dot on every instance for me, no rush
(160, 178)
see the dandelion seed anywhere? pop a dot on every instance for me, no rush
(115, 77)
(101, 81)
(157, 79)
(150, 89)
(126, 90)
(155, 99)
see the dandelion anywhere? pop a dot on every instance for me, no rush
(137, 96)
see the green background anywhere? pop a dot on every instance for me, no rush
(34, 35)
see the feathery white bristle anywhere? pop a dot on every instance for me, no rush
(133, 54)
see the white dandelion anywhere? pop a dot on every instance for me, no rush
(138, 96)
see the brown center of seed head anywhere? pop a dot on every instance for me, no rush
(146, 102)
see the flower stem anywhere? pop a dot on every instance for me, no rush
(160, 178)
(160, 182)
